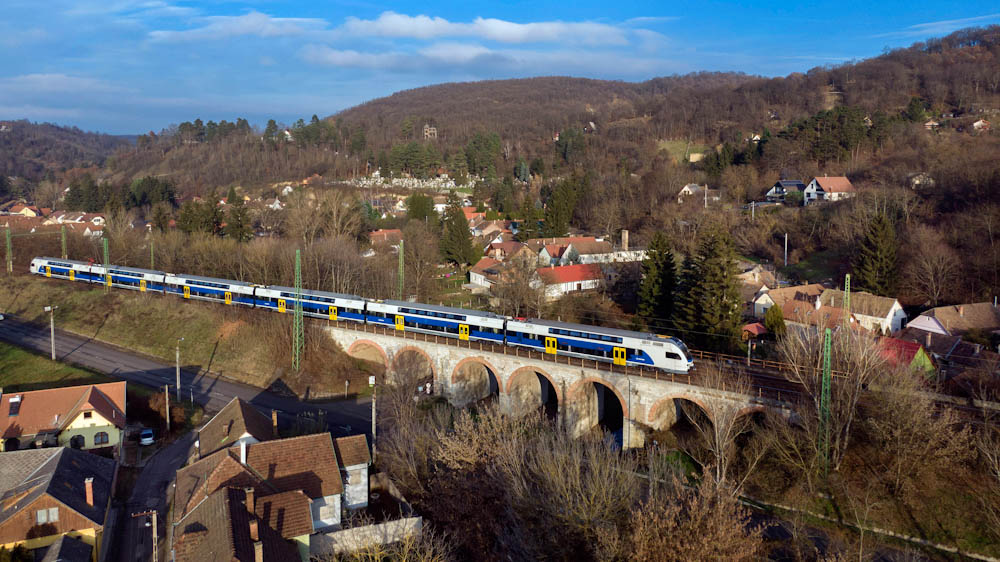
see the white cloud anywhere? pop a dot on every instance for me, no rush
(940, 27)
(391, 24)
(149, 8)
(647, 20)
(16, 37)
(54, 83)
(454, 53)
(321, 54)
(252, 23)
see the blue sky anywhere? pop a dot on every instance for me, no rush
(130, 66)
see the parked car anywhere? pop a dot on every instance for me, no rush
(146, 437)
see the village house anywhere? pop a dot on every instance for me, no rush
(385, 236)
(236, 423)
(931, 125)
(951, 354)
(81, 417)
(485, 273)
(503, 250)
(560, 281)
(828, 188)
(354, 458)
(699, 191)
(784, 296)
(29, 211)
(904, 353)
(782, 188)
(289, 488)
(883, 315)
(812, 318)
(981, 126)
(960, 319)
(57, 498)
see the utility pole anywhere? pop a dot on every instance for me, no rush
(178, 365)
(399, 274)
(152, 513)
(629, 418)
(52, 328)
(166, 396)
(152, 260)
(371, 382)
(706, 196)
(10, 253)
(753, 211)
(847, 298)
(786, 249)
(107, 264)
(298, 330)
(64, 253)
(824, 405)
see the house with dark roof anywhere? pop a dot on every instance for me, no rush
(83, 417)
(46, 494)
(828, 188)
(951, 354)
(782, 188)
(784, 296)
(353, 458)
(905, 353)
(237, 422)
(295, 484)
(876, 314)
(812, 317)
(959, 319)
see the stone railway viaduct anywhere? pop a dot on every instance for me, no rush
(584, 392)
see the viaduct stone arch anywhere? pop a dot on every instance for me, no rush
(473, 379)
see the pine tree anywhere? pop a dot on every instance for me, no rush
(875, 266)
(711, 307)
(774, 321)
(231, 197)
(659, 284)
(238, 225)
(456, 242)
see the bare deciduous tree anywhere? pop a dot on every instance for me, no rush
(931, 266)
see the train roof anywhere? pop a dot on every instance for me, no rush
(593, 329)
(211, 279)
(314, 292)
(136, 269)
(439, 308)
(75, 262)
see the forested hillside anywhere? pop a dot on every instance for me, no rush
(29, 150)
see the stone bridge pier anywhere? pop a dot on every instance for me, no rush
(579, 393)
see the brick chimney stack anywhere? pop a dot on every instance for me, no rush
(258, 551)
(927, 340)
(254, 529)
(624, 240)
(88, 486)
(251, 501)
(961, 311)
(274, 423)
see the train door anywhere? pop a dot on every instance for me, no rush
(72, 275)
(142, 286)
(463, 332)
(550, 346)
(187, 292)
(399, 322)
(229, 297)
(281, 305)
(107, 280)
(333, 313)
(48, 271)
(619, 355)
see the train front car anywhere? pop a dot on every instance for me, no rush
(317, 304)
(458, 323)
(209, 289)
(63, 269)
(619, 347)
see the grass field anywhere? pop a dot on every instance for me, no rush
(234, 342)
(22, 370)
(819, 266)
(678, 148)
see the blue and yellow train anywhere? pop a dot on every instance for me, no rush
(620, 347)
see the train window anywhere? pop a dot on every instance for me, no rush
(671, 355)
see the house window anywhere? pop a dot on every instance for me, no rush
(50, 515)
(101, 438)
(88, 415)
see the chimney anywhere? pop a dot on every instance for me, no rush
(927, 340)
(251, 502)
(88, 486)
(254, 529)
(258, 551)
(243, 452)
(274, 423)
(819, 303)
(961, 311)
(624, 240)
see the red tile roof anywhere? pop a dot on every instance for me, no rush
(352, 450)
(570, 273)
(51, 409)
(755, 328)
(287, 513)
(898, 352)
(835, 184)
(386, 235)
(470, 213)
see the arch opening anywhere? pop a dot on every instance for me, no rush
(414, 365)
(596, 406)
(529, 390)
(474, 382)
(676, 421)
(368, 351)
(12, 444)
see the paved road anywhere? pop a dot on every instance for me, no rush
(211, 392)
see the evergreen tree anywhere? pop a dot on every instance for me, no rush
(711, 308)
(231, 197)
(420, 207)
(659, 284)
(529, 215)
(875, 265)
(161, 216)
(774, 321)
(270, 131)
(238, 225)
(456, 241)
(559, 208)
